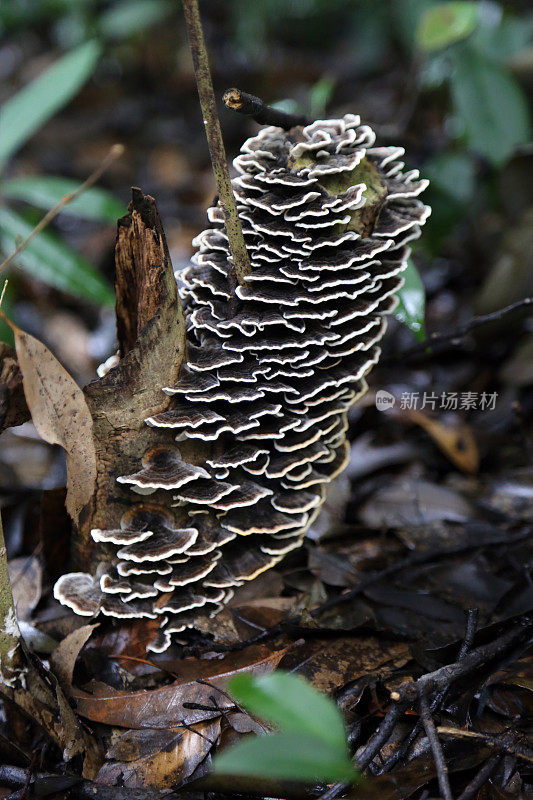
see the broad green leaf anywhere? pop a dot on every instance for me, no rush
(289, 756)
(490, 105)
(412, 306)
(319, 96)
(6, 332)
(291, 703)
(124, 19)
(504, 40)
(453, 173)
(446, 23)
(45, 191)
(33, 105)
(52, 261)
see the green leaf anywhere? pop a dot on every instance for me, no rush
(319, 96)
(445, 24)
(412, 306)
(32, 106)
(453, 173)
(491, 106)
(46, 191)
(123, 20)
(292, 704)
(50, 260)
(287, 756)
(6, 332)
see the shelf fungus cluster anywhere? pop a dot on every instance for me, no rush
(273, 366)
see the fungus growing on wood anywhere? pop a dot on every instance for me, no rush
(274, 364)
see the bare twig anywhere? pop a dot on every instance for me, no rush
(455, 336)
(470, 632)
(195, 35)
(436, 749)
(437, 701)
(441, 678)
(252, 106)
(381, 736)
(115, 152)
(481, 778)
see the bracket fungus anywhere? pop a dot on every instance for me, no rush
(273, 366)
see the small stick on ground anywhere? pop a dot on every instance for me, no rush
(471, 626)
(443, 677)
(466, 645)
(436, 339)
(115, 152)
(434, 743)
(195, 35)
(252, 106)
(481, 778)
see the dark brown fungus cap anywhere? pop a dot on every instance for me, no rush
(274, 365)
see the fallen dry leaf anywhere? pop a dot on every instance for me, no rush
(159, 758)
(26, 577)
(330, 664)
(64, 656)
(60, 414)
(166, 707)
(456, 442)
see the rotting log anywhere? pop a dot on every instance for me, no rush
(151, 337)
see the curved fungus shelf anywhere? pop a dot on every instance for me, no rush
(274, 366)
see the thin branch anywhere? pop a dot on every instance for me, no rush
(252, 106)
(195, 35)
(471, 626)
(115, 152)
(441, 678)
(436, 339)
(481, 778)
(434, 743)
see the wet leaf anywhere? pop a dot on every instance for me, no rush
(33, 105)
(446, 23)
(414, 502)
(287, 755)
(292, 704)
(490, 104)
(50, 260)
(411, 308)
(60, 414)
(45, 191)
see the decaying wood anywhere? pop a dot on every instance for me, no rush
(34, 691)
(151, 332)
